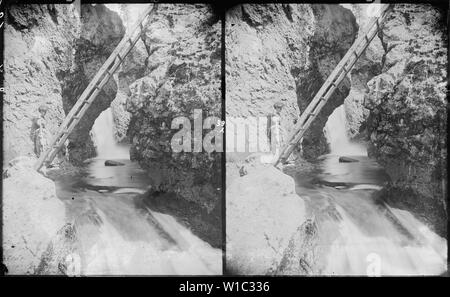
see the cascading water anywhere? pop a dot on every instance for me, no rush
(115, 235)
(336, 134)
(102, 134)
(357, 233)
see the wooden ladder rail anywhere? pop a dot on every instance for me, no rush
(95, 86)
(330, 85)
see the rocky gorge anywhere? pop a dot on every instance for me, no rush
(395, 105)
(315, 216)
(52, 52)
(407, 107)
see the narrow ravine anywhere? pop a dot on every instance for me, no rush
(149, 211)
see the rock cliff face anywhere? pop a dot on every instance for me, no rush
(51, 53)
(407, 103)
(101, 31)
(132, 69)
(367, 66)
(39, 44)
(283, 53)
(182, 74)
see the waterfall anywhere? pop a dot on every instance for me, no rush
(337, 137)
(102, 134)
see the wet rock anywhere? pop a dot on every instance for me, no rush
(347, 160)
(302, 253)
(113, 163)
(61, 255)
(182, 74)
(408, 110)
(207, 225)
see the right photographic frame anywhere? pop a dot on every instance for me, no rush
(336, 139)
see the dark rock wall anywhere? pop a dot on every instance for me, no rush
(182, 74)
(334, 33)
(283, 53)
(408, 112)
(51, 53)
(101, 31)
(368, 65)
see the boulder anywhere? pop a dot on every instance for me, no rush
(32, 217)
(113, 163)
(263, 213)
(347, 160)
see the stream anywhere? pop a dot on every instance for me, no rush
(359, 234)
(115, 236)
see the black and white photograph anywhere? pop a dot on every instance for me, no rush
(94, 94)
(336, 139)
(224, 148)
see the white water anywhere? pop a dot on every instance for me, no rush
(369, 238)
(380, 248)
(138, 244)
(102, 134)
(336, 134)
(117, 237)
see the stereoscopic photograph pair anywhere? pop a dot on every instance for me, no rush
(247, 139)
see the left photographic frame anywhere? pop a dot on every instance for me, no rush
(112, 143)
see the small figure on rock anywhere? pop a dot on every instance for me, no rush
(274, 129)
(41, 139)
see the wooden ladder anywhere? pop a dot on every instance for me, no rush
(95, 86)
(334, 79)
